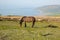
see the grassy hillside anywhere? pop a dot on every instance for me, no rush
(10, 30)
(50, 9)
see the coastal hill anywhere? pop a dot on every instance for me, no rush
(50, 9)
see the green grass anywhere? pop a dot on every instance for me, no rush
(10, 30)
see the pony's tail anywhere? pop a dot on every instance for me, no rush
(34, 19)
(33, 22)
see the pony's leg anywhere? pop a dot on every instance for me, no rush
(33, 24)
(25, 24)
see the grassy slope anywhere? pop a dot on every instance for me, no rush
(12, 31)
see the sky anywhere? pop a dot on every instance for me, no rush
(15, 4)
(27, 3)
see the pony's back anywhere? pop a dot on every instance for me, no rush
(28, 19)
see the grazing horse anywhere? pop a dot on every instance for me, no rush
(27, 19)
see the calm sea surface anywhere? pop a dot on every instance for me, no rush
(20, 11)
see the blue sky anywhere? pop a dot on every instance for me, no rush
(27, 3)
(14, 4)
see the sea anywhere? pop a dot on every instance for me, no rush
(20, 11)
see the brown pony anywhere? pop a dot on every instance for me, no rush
(27, 19)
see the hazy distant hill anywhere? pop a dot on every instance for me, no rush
(50, 9)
